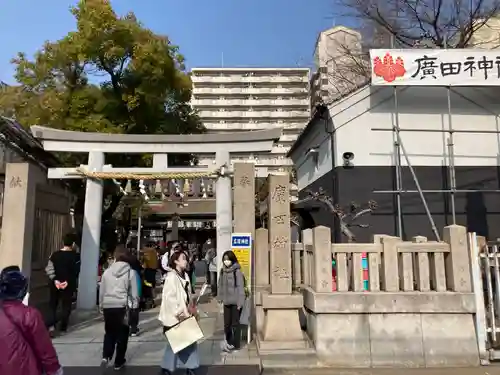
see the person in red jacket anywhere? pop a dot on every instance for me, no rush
(25, 345)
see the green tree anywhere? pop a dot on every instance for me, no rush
(111, 75)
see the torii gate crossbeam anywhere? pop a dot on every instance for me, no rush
(98, 144)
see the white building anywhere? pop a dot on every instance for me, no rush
(340, 64)
(352, 127)
(242, 99)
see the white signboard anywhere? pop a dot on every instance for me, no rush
(435, 67)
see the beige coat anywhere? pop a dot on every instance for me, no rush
(173, 299)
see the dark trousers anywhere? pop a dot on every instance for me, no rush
(190, 275)
(150, 278)
(65, 297)
(207, 274)
(116, 335)
(232, 325)
(133, 320)
(213, 283)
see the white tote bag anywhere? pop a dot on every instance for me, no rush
(184, 334)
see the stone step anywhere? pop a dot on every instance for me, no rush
(275, 347)
(270, 347)
(287, 359)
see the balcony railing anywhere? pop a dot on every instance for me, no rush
(262, 161)
(249, 90)
(252, 114)
(249, 102)
(289, 137)
(236, 126)
(250, 79)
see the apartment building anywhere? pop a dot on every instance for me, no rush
(242, 99)
(339, 64)
(487, 36)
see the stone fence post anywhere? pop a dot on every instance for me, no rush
(307, 241)
(322, 260)
(457, 262)
(297, 278)
(390, 266)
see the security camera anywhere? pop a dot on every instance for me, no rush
(314, 154)
(312, 151)
(347, 158)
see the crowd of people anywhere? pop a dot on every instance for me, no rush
(127, 284)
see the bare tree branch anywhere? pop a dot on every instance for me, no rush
(401, 24)
(347, 218)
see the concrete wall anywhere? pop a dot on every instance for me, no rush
(418, 108)
(476, 211)
(339, 64)
(309, 166)
(393, 329)
(356, 115)
(488, 36)
(417, 310)
(36, 216)
(476, 159)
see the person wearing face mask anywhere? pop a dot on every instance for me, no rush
(231, 293)
(177, 305)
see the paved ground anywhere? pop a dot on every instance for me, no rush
(254, 370)
(80, 352)
(153, 370)
(80, 349)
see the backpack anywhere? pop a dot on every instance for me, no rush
(234, 276)
(244, 282)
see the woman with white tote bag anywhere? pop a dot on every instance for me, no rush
(177, 314)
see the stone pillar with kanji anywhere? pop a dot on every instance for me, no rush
(281, 306)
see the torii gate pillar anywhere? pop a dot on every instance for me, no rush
(98, 144)
(91, 235)
(223, 208)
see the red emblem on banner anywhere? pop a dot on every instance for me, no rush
(388, 69)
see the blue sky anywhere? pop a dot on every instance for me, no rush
(244, 33)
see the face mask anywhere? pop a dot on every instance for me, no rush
(26, 299)
(227, 263)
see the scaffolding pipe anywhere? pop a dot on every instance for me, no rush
(435, 191)
(397, 155)
(451, 157)
(419, 189)
(451, 164)
(476, 104)
(438, 130)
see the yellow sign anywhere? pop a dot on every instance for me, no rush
(241, 245)
(243, 256)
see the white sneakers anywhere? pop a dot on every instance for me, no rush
(226, 347)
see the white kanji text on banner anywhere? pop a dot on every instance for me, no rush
(435, 67)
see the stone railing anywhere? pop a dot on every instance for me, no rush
(390, 302)
(388, 264)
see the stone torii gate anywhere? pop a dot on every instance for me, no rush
(96, 145)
